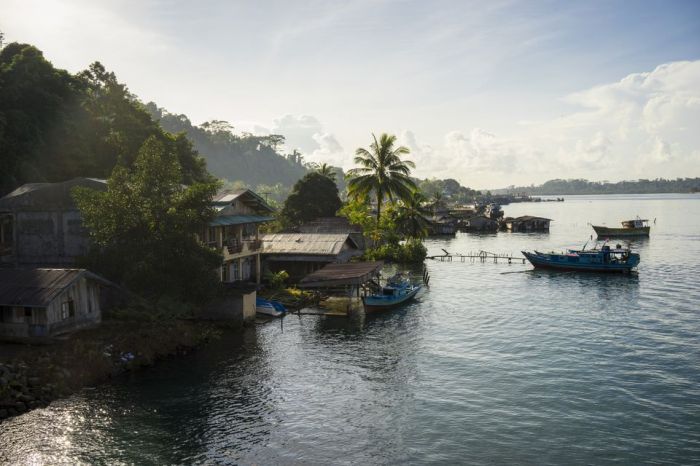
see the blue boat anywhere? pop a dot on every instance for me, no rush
(605, 259)
(270, 308)
(394, 294)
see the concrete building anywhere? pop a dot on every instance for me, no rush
(235, 233)
(40, 303)
(41, 225)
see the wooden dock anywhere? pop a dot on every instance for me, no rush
(480, 256)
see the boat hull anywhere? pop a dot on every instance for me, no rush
(606, 231)
(382, 303)
(269, 308)
(541, 262)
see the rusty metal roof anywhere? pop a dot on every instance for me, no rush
(322, 244)
(247, 196)
(47, 196)
(353, 273)
(37, 287)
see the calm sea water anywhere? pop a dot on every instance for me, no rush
(495, 364)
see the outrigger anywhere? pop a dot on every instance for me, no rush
(606, 259)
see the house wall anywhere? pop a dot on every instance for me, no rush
(51, 237)
(86, 304)
(238, 308)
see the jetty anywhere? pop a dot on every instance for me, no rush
(481, 256)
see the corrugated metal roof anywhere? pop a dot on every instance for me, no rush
(354, 273)
(35, 287)
(42, 196)
(248, 197)
(527, 218)
(305, 243)
(225, 220)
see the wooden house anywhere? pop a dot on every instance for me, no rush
(40, 303)
(41, 225)
(527, 223)
(234, 232)
(480, 223)
(302, 253)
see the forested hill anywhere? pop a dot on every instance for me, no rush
(248, 158)
(55, 125)
(579, 186)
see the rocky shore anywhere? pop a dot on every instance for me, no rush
(37, 375)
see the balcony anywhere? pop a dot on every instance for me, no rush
(234, 246)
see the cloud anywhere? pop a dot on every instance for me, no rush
(306, 134)
(329, 151)
(643, 125)
(299, 132)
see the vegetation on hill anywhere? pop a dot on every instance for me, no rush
(55, 125)
(256, 160)
(580, 186)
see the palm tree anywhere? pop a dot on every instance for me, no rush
(382, 171)
(437, 198)
(411, 216)
(326, 170)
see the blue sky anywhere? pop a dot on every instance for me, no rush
(491, 93)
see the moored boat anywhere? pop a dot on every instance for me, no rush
(605, 259)
(636, 227)
(269, 308)
(393, 294)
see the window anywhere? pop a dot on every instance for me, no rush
(28, 312)
(67, 309)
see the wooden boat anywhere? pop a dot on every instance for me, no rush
(636, 227)
(394, 294)
(269, 308)
(605, 259)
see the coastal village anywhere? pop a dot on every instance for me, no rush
(41, 233)
(47, 297)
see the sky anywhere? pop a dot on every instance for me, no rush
(491, 93)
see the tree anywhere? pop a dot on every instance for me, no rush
(411, 216)
(143, 228)
(382, 171)
(312, 196)
(55, 125)
(327, 171)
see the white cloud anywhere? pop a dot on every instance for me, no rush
(329, 151)
(644, 125)
(299, 132)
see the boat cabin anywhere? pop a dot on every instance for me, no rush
(636, 223)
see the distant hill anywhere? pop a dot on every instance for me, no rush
(251, 159)
(580, 186)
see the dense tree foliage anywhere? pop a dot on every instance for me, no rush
(412, 216)
(253, 159)
(313, 196)
(580, 186)
(143, 228)
(55, 126)
(449, 189)
(382, 172)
